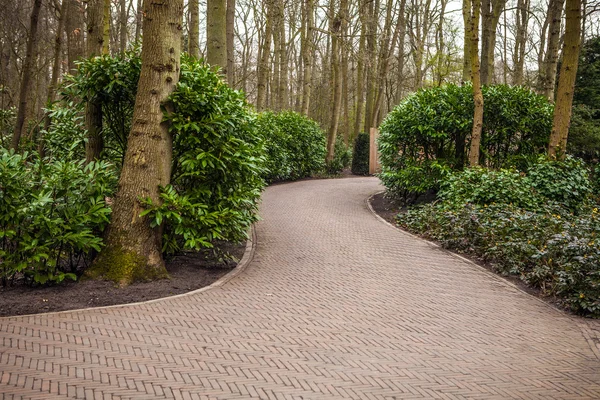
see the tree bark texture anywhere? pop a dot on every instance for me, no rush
(307, 46)
(106, 27)
(122, 26)
(216, 34)
(336, 82)
(133, 249)
(263, 65)
(476, 79)
(522, 14)
(26, 73)
(566, 82)
(93, 111)
(466, 12)
(194, 36)
(547, 79)
(74, 29)
(230, 45)
(490, 16)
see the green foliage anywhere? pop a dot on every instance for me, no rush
(481, 186)
(111, 80)
(556, 252)
(8, 119)
(294, 145)
(342, 156)
(538, 225)
(565, 182)
(217, 163)
(52, 215)
(429, 133)
(587, 84)
(65, 138)
(584, 133)
(360, 156)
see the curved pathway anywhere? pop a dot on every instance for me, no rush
(334, 305)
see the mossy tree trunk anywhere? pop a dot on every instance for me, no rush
(216, 34)
(133, 248)
(230, 32)
(30, 57)
(307, 45)
(106, 28)
(93, 110)
(566, 82)
(476, 79)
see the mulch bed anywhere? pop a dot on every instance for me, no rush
(188, 271)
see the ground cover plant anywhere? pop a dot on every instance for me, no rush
(542, 226)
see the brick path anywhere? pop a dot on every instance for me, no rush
(335, 305)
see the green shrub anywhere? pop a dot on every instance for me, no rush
(217, 163)
(8, 119)
(482, 186)
(549, 249)
(342, 156)
(565, 182)
(52, 215)
(360, 156)
(429, 132)
(66, 135)
(294, 145)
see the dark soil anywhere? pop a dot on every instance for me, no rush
(388, 209)
(188, 271)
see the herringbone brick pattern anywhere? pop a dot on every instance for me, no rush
(335, 305)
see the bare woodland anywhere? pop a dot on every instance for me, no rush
(343, 63)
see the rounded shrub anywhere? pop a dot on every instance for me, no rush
(294, 145)
(360, 156)
(429, 133)
(217, 163)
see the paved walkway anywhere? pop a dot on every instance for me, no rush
(335, 305)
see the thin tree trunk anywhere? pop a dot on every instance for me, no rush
(283, 94)
(566, 83)
(371, 60)
(466, 12)
(263, 65)
(550, 63)
(475, 78)
(74, 29)
(490, 16)
(26, 74)
(230, 36)
(307, 56)
(123, 27)
(106, 28)
(360, 74)
(194, 36)
(522, 14)
(138, 20)
(216, 34)
(93, 111)
(336, 84)
(133, 249)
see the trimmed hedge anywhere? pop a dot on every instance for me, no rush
(360, 157)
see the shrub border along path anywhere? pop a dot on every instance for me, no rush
(334, 305)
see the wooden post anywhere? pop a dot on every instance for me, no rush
(374, 165)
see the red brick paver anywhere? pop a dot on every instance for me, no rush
(335, 305)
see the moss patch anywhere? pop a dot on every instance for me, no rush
(124, 267)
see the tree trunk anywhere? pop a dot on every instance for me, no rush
(230, 46)
(360, 74)
(522, 14)
(93, 111)
(133, 249)
(74, 29)
(476, 79)
(263, 65)
(106, 27)
(550, 63)
(194, 37)
(26, 74)
(307, 55)
(490, 16)
(216, 34)
(336, 84)
(466, 12)
(566, 82)
(371, 62)
(123, 27)
(138, 20)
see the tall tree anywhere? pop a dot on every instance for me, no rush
(122, 25)
(566, 81)
(230, 32)
(26, 73)
(93, 111)
(74, 28)
(549, 61)
(490, 16)
(307, 51)
(138, 20)
(476, 79)
(133, 249)
(467, 15)
(194, 36)
(216, 34)
(263, 63)
(522, 14)
(335, 80)
(106, 27)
